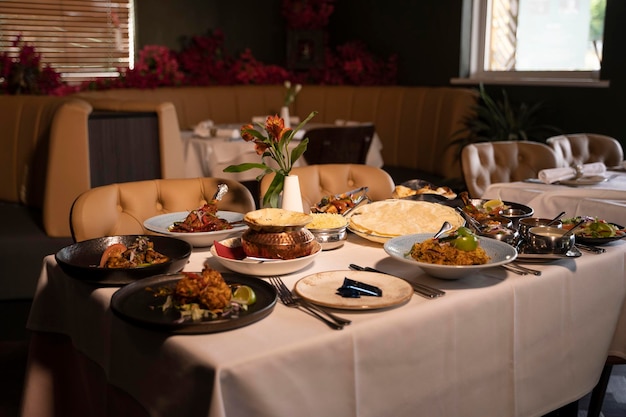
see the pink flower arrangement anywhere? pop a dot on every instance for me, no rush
(24, 74)
(307, 14)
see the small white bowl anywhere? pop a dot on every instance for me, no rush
(263, 267)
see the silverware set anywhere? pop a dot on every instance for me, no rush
(520, 269)
(290, 300)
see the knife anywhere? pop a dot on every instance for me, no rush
(421, 289)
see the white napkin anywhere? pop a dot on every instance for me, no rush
(548, 176)
(203, 129)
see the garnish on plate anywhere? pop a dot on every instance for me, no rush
(140, 254)
(593, 227)
(203, 219)
(205, 295)
(461, 247)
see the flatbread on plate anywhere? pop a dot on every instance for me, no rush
(391, 218)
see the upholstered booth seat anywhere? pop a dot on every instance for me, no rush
(122, 208)
(317, 181)
(587, 147)
(491, 162)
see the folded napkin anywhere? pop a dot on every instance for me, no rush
(354, 289)
(203, 129)
(235, 252)
(548, 176)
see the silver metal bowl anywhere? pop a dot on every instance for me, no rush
(524, 225)
(332, 238)
(548, 239)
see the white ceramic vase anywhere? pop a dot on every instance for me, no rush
(284, 114)
(292, 198)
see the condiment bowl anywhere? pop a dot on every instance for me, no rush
(549, 239)
(332, 238)
(525, 224)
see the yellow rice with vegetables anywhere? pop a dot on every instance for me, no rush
(433, 251)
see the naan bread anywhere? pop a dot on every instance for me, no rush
(402, 191)
(275, 217)
(392, 218)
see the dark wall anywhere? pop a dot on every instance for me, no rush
(425, 35)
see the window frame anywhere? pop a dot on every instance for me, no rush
(474, 50)
(90, 20)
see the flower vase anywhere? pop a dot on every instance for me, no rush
(292, 198)
(284, 114)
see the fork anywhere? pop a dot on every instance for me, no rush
(288, 300)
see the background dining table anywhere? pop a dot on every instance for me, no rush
(605, 200)
(208, 156)
(497, 344)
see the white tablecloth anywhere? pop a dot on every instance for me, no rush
(207, 157)
(606, 200)
(497, 344)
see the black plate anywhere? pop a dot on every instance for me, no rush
(599, 241)
(80, 260)
(135, 304)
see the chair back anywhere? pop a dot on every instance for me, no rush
(506, 161)
(587, 147)
(121, 209)
(317, 181)
(339, 144)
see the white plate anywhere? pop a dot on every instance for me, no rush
(500, 253)
(589, 180)
(161, 224)
(321, 288)
(263, 268)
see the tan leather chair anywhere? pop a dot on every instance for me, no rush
(317, 181)
(587, 147)
(507, 161)
(118, 209)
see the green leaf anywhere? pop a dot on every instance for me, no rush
(300, 149)
(245, 167)
(270, 199)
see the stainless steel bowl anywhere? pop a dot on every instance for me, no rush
(524, 225)
(548, 239)
(330, 238)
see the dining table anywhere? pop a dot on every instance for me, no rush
(496, 344)
(604, 199)
(207, 156)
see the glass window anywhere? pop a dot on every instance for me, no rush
(81, 39)
(550, 41)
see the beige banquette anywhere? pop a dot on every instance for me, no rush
(584, 148)
(45, 165)
(415, 124)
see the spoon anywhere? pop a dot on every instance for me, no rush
(570, 231)
(444, 228)
(551, 222)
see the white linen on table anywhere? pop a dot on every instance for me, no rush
(495, 344)
(606, 200)
(548, 176)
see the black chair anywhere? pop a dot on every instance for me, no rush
(339, 144)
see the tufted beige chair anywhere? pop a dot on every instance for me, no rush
(587, 147)
(317, 181)
(117, 209)
(491, 162)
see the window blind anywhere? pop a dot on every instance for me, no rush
(81, 39)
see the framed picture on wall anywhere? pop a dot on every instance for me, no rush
(305, 49)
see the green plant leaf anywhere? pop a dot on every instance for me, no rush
(270, 199)
(245, 167)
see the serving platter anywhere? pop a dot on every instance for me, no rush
(262, 267)
(321, 288)
(81, 260)
(599, 241)
(138, 304)
(161, 224)
(500, 253)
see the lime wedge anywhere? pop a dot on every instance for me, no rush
(244, 295)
